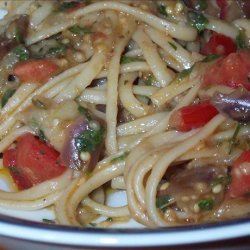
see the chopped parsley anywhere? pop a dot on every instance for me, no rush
(197, 20)
(39, 104)
(55, 51)
(162, 10)
(90, 139)
(122, 157)
(77, 30)
(109, 219)
(48, 221)
(85, 112)
(210, 58)
(172, 45)
(22, 53)
(206, 204)
(14, 170)
(68, 5)
(224, 180)
(18, 35)
(201, 5)
(93, 224)
(36, 127)
(163, 202)
(184, 73)
(233, 140)
(240, 41)
(128, 59)
(6, 96)
(41, 135)
(149, 80)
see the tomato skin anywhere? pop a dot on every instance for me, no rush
(9, 160)
(35, 70)
(34, 160)
(223, 8)
(232, 71)
(240, 173)
(193, 116)
(220, 45)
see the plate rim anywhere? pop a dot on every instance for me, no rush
(121, 237)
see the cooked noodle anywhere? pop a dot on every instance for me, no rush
(121, 73)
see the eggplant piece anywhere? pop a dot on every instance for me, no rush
(235, 105)
(7, 44)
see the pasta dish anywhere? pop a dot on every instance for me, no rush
(150, 98)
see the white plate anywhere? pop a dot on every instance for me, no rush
(23, 229)
(91, 237)
(13, 222)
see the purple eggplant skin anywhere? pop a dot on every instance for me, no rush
(235, 105)
(235, 9)
(7, 44)
(70, 155)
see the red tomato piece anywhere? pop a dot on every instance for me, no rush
(220, 45)
(240, 173)
(9, 160)
(232, 71)
(193, 116)
(34, 160)
(35, 70)
(223, 5)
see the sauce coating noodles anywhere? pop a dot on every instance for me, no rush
(148, 97)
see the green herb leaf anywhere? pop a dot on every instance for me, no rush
(184, 73)
(210, 58)
(93, 224)
(201, 5)
(149, 80)
(55, 51)
(79, 30)
(90, 139)
(36, 127)
(122, 157)
(22, 53)
(14, 170)
(162, 202)
(85, 112)
(109, 219)
(172, 45)
(206, 204)
(68, 5)
(197, 20)
(49, 221)
(162, 10)
(6, 96)
(41, 135)
(18, 35)
(39, 104)
(240, 41)
(128, 59)
(233, 140)
(224, 180)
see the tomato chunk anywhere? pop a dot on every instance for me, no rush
(232, 71)
(223, 5)
(32, 162)
(35, 70)
(9, 160)
(240, 184)
(193, 116)
(220, 45)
